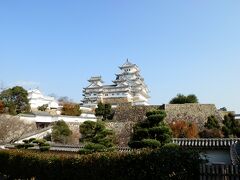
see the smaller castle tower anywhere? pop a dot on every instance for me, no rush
(94, 92)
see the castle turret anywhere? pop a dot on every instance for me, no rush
(94, 92)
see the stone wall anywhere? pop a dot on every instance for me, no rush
(197, 113)
(123, 131)
(74, 138)
(131, 113)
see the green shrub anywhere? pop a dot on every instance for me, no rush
(141, 134)
(151, 143)
(166, 163)
(136, 144)
(92, 147)
(44, 148)
(155, 119)
(43, 145)
(154, 112)
(24, 146)
(170, 146)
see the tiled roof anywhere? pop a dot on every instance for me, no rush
(204, 143)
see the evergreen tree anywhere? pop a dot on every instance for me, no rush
(96, 137)
(231, 126)
(212, 123)
(153, 132)
(212, 129)
(182, 99)
(15, 100)
(104, 110)
(61, 132)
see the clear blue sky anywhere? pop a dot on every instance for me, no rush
(182, 46)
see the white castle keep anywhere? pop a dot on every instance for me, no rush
(128, 87)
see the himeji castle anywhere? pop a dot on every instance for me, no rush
(128, 87)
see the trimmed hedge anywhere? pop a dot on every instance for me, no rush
(170, 162)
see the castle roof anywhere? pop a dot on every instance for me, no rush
(96, 78)
(128, 64)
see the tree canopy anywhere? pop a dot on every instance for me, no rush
(104, 110)
(212, 123)
(183, 129)
(182, 99)
(212, 129)
(71, 109)
(231, 126)
(15, 100)
(153, 132)
(60, 132)
(96, 137)
(43, 107)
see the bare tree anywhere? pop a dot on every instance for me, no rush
(12, 128)
(65, 99)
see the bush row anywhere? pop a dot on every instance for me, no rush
(169, 162)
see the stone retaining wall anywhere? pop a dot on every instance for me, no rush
(131, 113)
(123, 131)
(127, 116)
(197, 113)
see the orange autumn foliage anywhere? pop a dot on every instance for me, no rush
(71, 109)
(183, 129)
